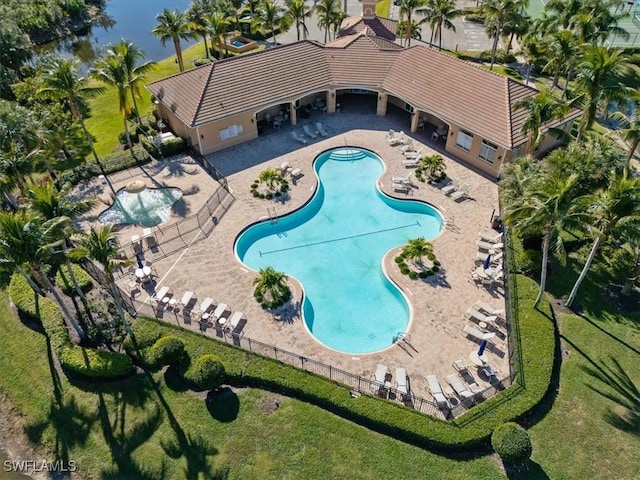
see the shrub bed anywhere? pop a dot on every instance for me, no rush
(206, 372)
(74, 358)
(168, 148)
(167, 350)
(468, 430)
(64, 281)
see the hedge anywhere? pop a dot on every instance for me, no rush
(64, 281)
(168, 350)
(110, 163)
(468, 430)
(206, 372)
(512, 443)
(74, 358)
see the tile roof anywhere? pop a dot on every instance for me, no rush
(383, 27)
(452, 89)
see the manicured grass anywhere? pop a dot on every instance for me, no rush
(138, 428)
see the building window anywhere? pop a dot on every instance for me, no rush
(464, 140)
(408, 108)
(230, 132)
(487, 151)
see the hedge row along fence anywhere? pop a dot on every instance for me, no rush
(89, 362)
(468, 430)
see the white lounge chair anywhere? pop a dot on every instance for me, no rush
(395, 138)
(491, 237)
(379, 377)
(308, 132)
(458, 386)
(400, 187)
(479, 317)
(407, 145)
(160, 294)
(401, 381)
(296, 172)
(482, 245)
(233, 321)
(411, 162)
(402, 179)
(436, 391)
(220, 309)
(450, 187)
(188, 298)
(416, 154)
(462, 192)
(206, 304)
(488, 308)
(460, 365)
(482, 256)
(321, 129)
(296, 136)
(477, 334)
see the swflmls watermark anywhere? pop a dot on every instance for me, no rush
(37, 466)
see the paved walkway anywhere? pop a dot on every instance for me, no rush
(210, 268)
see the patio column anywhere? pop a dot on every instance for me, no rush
(293, 113)
(414, 121)
(331, 101)
(381, 109)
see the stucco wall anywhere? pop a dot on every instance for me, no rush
(471, 156)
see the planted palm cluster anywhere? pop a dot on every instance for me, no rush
(270, 184)
(271, 289)
(411, 259)
(431, 169)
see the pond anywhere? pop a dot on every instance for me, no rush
(131, 20)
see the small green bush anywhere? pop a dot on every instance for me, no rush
(398, 259)
(512, 443)
(167, 350)
(64, 281)
(413, 275)
(198, 62)
(501, 56)
(206, 372)
(529, 262)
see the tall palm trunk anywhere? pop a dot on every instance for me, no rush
(632, 150)
(585, 269)
(126, 132)
(543, 271)
(135, 102)
(67, 314)
(566, 83)
(118, 300)
(494, 48)
(93, 150)
(34, 286)
(176, 45)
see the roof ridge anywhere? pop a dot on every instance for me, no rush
(205, 84)
(511, 83)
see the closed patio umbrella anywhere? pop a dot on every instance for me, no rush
(483, 345)
(487, 261)
(140, 265)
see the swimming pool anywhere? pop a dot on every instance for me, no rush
(335, 246)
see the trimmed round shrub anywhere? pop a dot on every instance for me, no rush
(198, 62)
(529, 262)
(413, 275)
(167, 350)
(206, 372)
(64, 281)
(512, 443)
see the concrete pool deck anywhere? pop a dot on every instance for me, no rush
(209, 267)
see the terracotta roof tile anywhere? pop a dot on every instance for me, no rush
(452, 89)
(383, 27)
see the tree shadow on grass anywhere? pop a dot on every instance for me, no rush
(533, 471)
(622, 391)
(223, 404)
(70, 422)
(174, 379)
(194, 449)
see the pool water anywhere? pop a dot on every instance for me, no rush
(335, 247)
(148, 208)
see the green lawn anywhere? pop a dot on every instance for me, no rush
(140, 428)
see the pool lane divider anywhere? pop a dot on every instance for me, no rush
(338, 239)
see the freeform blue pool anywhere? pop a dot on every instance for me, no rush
(335, 245)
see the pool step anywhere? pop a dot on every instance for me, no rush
(347, 154)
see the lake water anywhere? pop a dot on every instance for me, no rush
(132, 20)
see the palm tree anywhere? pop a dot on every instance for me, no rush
(441, 13)
(563, 52)
(218, 27)
(408, 8)
(624, 258)
(173, 25)
(609, 211)
(136, 74)
(16, 165)
(336, 21)
(434, 166)
(61, 81)
(111, 71)
(416, 249)
(50, 204)
(630, 124)
(298, 11)
(545, 209)
(270, 177)
(324, 10)
(271, 289)
(599, 80)
(196, 13)
(496, 13)
(101, 245)
(28, 243)
(541, 109)
(272, 17)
